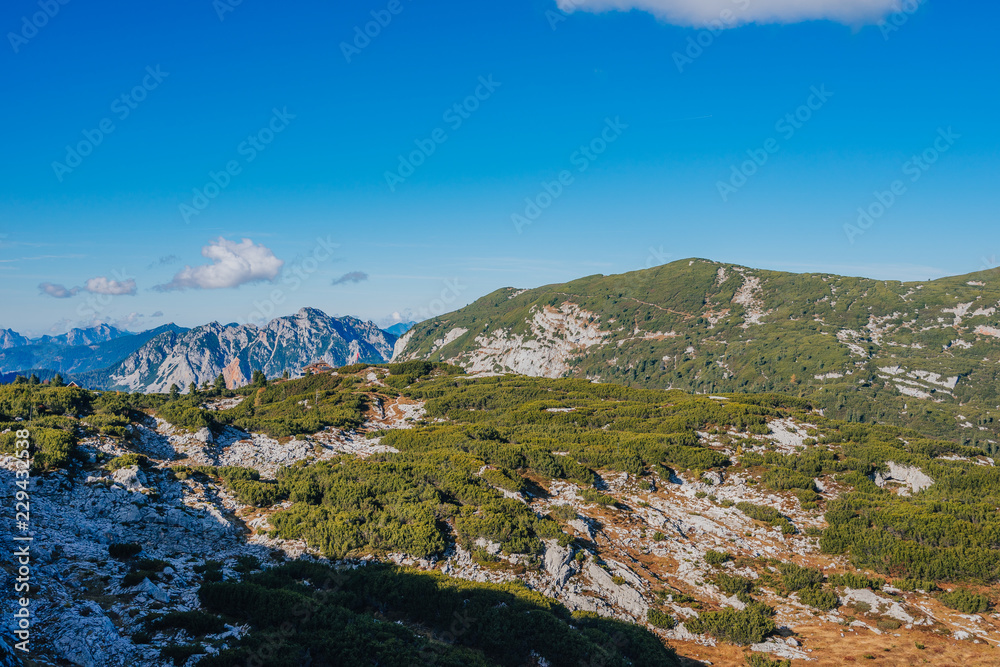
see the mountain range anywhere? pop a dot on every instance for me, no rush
(101, 333)
(152, 361)
(922, 354)
(925, 354)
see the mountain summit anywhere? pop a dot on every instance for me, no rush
(235, 351)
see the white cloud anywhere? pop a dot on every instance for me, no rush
(233, 264)
(58, 291)
(102, 285)
(98, 285)
(730, 13)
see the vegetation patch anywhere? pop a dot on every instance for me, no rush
(749, 626)
(372, 615)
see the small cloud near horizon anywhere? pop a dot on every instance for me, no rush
(733, 13)
(352, 277)
(164, 261)
(58, 291)
(98, 285)
(103, 285)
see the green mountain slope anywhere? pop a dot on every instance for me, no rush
(923, 354)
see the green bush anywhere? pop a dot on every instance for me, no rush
(508, 480)
(385, 615)
(854, 580)
(563, 513)
(110, 424)
(716, 558)
(965, 601)
(597, 498)
(888, 624)
(733, 584)
(660, 619)
(764, 660)
(124, 550)
(781, 480)
(749, 626)
(767, 515)
(180, 653)
(914, 585)
(196, 623)
(51, 448)
(259, 494)
(795, 578)
(151, 564)
(818, 598)
(210, 570)
(126, 461)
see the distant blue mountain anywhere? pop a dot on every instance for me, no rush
(400, 328)
(102, 333)
(77, 351)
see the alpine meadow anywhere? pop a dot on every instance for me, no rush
(556, 333)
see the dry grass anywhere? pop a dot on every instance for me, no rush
(863, 647)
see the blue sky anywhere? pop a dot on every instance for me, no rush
(641, 112)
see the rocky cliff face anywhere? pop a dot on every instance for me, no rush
(10, 338)
(235, 351)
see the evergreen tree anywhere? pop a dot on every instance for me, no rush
(175, 391)
(57, 381)
(34, 379)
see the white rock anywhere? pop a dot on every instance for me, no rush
(152, 590)
(622, 596)
(913, 479)
(131, 478)
(558, 562)
(885, 606)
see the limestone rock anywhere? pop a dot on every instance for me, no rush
(885, 606)
(153, 591)
(910, 479)
(622, 596)
(131, 478)
(558, 563)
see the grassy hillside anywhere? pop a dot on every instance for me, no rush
(487, 466)
(920, 354)
(450, 479)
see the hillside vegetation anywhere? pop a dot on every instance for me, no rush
(493, 473)
(917, 354)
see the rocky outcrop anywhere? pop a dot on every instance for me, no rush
(906, 479)
(10, 338)
(882, 605)
(235, 351)
(556, 335)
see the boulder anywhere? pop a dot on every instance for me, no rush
(89, 641)
(131, 478)
(558, 563)
(622, 596)
(153, 591)
(885, 606)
